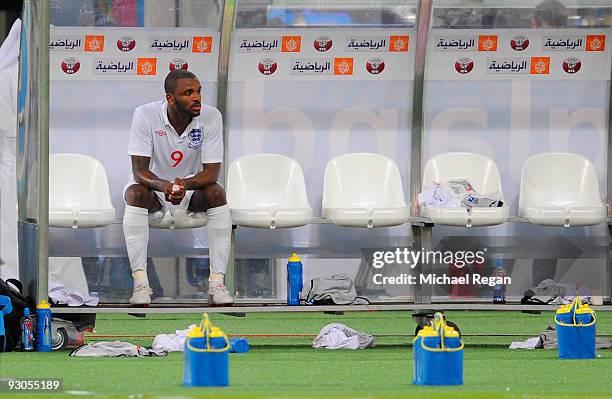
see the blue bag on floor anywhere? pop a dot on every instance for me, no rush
(438, 355)
(576, 329)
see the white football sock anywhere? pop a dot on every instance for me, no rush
(215, 279)
(140, 278)
(219, 230)
(136, 232)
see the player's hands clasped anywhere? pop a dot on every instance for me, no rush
(175, 191)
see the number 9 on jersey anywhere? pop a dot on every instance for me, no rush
(177, 157)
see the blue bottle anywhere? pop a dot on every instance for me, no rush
(43, 327)
(499, 291)
(294, 280)
(27, 331)
(239, 345)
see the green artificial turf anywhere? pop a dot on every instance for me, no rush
(284, 368)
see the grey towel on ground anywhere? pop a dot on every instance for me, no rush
(548, 340)
(115, 349)
(339, 336)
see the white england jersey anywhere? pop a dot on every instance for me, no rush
(172, 156)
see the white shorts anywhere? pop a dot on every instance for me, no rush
(166, 205)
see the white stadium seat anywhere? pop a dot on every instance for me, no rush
(560, 189)
(267, 191)
(78, 192)
(364, 190)
(483, 175)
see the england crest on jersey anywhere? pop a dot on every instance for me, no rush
(195, 138)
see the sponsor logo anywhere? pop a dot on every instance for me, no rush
(160, 132)
(107, 66)
(318, 66)
(178, 63)
(398, 43)
(66, 43)
(464, 65)
(291, 44)
(540, 65)
(258, 45)
(322, 43)
(94, 43)
(173, 44)
(195, 137)
(519, 43)
(147, 66)
(571, 65)
(562, 43)
(487, 43)
(126, 43)
(366, 43)
(267, 66)
(375, 66)
(343, 66)
(455, 43)
(508, 65)
(595, 42)
(202, 44)
(70, 65)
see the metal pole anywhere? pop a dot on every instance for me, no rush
(609, 191)
(421, 234)
(43, 24)
(227, 26)
(417, 102)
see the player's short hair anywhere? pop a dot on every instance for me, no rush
(171, 81)
(551, 11)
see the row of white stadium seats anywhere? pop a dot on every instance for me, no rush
(360, 190)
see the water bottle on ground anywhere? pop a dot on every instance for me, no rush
(27, 331)
(499, 291)
(43, 327)
(294, 280)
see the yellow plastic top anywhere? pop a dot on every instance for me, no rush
(216, 332)
(451, 332)
(294, 258)
(195, 332)
(43, 305)
(584, 309)
(427, 331)
(564, 309)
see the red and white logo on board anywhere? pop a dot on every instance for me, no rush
(519, 43)
(464, 65)
(126, 43)
(267, 66)
(322, 43)
(571, 65)
(70, 65)
(178, 63)
(375, 66)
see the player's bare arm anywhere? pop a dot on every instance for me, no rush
(144, 176)
(208, 176)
